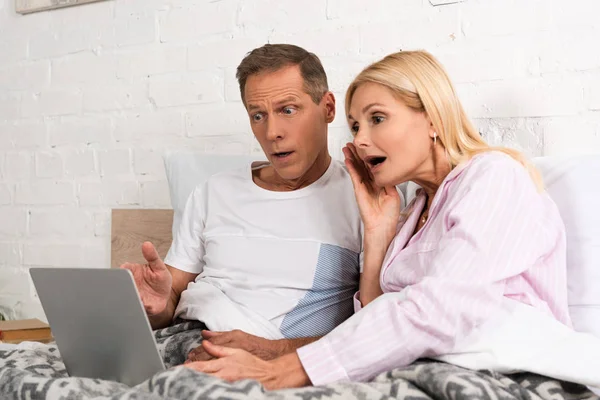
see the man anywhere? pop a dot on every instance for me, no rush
(270, 252)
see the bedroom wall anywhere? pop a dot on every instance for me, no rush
(90, 96)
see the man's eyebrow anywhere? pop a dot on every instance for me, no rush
(287, 99)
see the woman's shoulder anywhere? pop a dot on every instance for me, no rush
(493, 165)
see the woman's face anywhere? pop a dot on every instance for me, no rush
(392, 139)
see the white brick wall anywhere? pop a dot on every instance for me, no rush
(91, 96)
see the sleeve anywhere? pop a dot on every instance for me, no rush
(494, 232)
(187, 250)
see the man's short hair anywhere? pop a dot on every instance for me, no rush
(272, 57)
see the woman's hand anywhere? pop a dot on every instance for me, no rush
(236, 364)
(264, 349)
(379, 206)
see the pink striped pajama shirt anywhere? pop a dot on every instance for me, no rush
(491, 236)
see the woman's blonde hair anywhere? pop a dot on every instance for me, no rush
(418, 80)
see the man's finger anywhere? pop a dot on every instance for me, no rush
(202, 357)
(210, 334)
(125, 266)
(151, 255)
(223, 340)
(199, 354)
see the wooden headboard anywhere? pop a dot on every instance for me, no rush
(130, 228)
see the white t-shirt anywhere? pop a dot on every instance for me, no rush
(273, 264)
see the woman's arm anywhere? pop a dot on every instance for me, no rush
(497, 228)
(379, 210)
(495, 232)
(374, 253)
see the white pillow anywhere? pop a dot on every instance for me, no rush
(186, 170)
(574, 185)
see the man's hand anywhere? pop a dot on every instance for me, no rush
(262, 348)
(153, 280)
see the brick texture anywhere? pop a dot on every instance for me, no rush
(90, 97)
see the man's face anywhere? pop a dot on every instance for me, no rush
(290, 127)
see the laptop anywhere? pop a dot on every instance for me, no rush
(99, 323)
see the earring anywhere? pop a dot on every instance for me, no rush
(434, 138)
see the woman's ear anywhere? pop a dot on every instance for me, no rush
(432, 131)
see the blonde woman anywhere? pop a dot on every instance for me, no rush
(472, 271)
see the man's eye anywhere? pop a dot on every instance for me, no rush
(288, 110)
(377, 119)
(257, 117)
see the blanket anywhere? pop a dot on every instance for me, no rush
(37, 372)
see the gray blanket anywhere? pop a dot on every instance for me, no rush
(39, 373)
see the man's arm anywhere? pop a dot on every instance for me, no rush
(286, 346)
(181, 279)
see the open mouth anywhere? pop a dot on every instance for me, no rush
(282, 154)
(374, 161)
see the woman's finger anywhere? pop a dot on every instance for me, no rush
(361, 165)
(355, 177)
(208, 367)
(218, 351)
(391, 191)
(347, 153)
(354, 151)
(358, 162)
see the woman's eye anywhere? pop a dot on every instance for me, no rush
(354, 129)
(377, 119)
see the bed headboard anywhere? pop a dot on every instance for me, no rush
(131, 227)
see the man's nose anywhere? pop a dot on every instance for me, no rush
(273, 129)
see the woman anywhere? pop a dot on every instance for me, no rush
(480, 246)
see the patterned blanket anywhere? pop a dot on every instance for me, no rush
(38, 373)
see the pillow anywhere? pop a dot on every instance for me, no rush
(411, 191)
(574, 185)
(186, 169)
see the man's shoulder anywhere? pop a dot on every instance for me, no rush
(223, 181)
(231, 175)
(340, 178)
(340, 171)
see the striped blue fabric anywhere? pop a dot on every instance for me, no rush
(329, 302)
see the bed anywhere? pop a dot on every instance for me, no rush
(35, 371)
